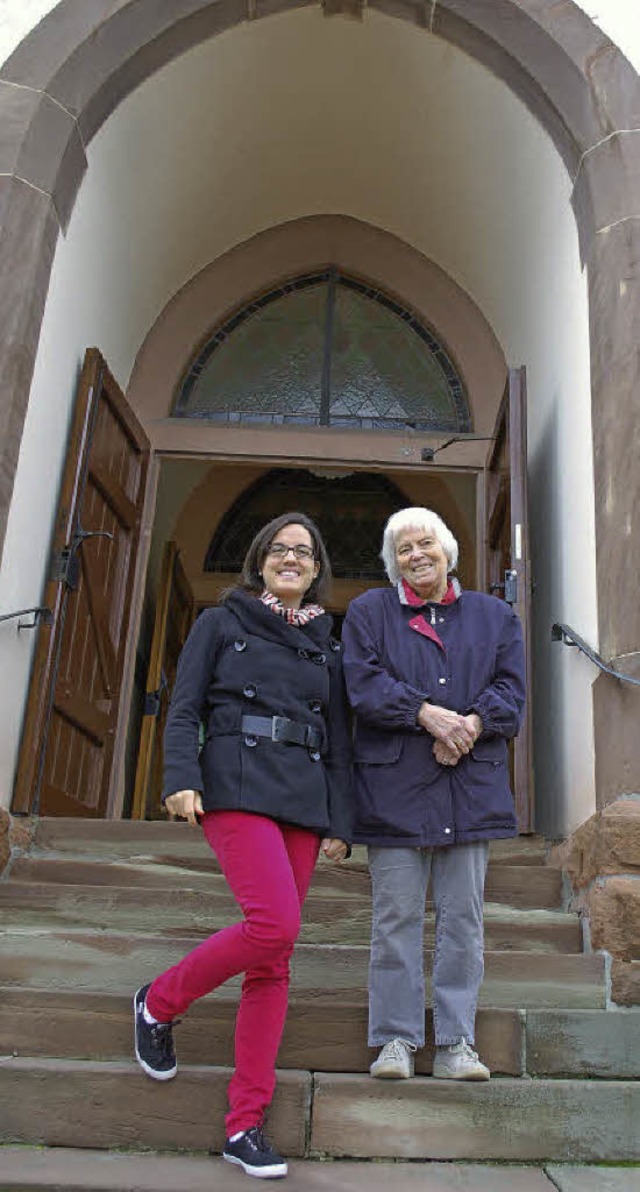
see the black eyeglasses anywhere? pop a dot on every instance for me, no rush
(279, 551)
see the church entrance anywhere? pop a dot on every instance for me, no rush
(326, 352)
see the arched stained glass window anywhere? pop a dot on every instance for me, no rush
(349, 510)
(325, 350)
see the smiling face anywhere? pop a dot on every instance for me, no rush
(289, 575)
(422, 562)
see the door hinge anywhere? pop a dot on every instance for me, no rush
(65, 564)
(65, 568)
(509, 588)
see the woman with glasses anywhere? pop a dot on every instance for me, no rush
(270, 789)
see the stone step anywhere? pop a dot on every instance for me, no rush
(170, 912)
(53, 1102)
(513, 1120)
(126, 838)
(69, 1103)
(602, 1044)
(531, 886)
(63, 1169)
(318, 1035)
(49, 959)
(322, 1036)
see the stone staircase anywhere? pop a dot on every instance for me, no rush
(93, 909)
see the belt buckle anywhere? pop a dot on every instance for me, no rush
(278, 724)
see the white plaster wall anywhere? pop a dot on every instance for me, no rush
(17, 18)
(279, 119)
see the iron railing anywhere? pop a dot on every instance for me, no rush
(567, 635)
(39, 614)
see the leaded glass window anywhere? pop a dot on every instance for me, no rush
(325, 350)
(349, 511)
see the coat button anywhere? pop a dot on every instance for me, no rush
(314, 755)
(442, 682)
(315, 705)
(250, 691)
(239, 645)
(335, 646)
(447, 831)
(319, 659)
(251, 742)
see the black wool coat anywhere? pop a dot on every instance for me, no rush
(242, 659)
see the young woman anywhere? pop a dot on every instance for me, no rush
(270, 789)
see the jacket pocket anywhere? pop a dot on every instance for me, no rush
(372, 747)
(491, 749)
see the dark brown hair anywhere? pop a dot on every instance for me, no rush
(251, 577)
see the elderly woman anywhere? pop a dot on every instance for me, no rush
(435, 676)
(270, 789)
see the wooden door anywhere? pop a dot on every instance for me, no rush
(508, 565)
(74, 696)
(174, 616)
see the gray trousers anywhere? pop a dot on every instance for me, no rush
(399, 879)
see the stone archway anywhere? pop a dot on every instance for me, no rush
(70, 73)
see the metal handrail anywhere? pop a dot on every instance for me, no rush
(564, 633)
(40, 613)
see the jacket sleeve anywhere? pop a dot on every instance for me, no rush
(501, 704)
(375, 695)
(338, 758)
(187, 708)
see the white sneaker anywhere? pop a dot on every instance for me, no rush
(459, 1062)
(395, 1061)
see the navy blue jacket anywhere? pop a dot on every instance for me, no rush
(243, 659)
(403, 796)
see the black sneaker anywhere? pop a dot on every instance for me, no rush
(255, 1155)
(153, 1041)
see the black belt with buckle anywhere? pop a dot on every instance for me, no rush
(278, 728)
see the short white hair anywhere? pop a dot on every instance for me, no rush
(416, 518)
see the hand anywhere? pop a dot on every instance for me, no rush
(475, 723)
(333, 848)
(187, 804)
(445, 756)
(457, 732)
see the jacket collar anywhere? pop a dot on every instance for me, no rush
(408, 596)
(419, 622)
(256, 618)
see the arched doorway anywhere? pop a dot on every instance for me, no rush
(566, 98)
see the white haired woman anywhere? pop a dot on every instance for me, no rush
(435, 677)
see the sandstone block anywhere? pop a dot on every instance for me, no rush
(68, 1102)
(615, 917)
(607, 843)
(584, 1043)
(595, 1179)
(625, 983)
(620, 836)
(5, 847)
(513, 1120)
(21, 832)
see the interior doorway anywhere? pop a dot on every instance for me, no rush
(207, 512)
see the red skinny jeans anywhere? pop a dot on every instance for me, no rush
(268, 867)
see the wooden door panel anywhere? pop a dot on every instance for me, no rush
(74, 699)
(174, 616)
(507, 546)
